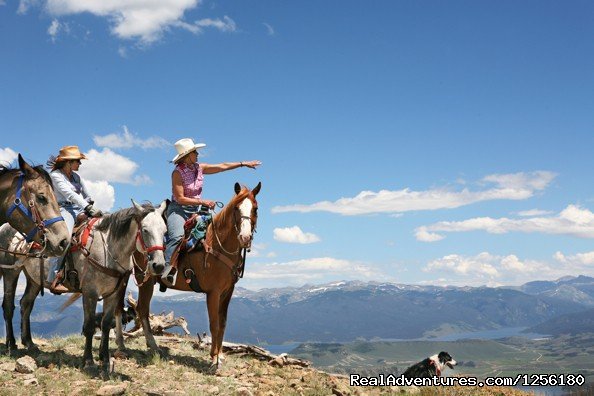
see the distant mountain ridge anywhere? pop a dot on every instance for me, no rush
(345, 311)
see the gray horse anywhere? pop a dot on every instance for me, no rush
(28, 203)
(103, 273)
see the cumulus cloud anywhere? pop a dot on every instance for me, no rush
(128, 140)
(488, 269)
(497, 270)
(103, 193)
(108, 166)
(516, 186)
(7, 155)
(294, 235)
(314, 270)
(573, 220)
(142, 20)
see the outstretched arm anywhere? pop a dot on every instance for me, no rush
(209, 169)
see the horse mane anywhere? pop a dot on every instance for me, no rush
(118, 223)
(9, 170)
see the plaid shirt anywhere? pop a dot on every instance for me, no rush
(192, 178)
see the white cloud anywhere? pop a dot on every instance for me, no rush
(123, 52)
(108, 166)
(128, 140)
(53, 30)
(488, 269)
(314, 270)
(269, 29)
(534, 212)
(259, 250)
(2, 2)
(142, 20)
(103, 193)
(517, 186)
(7, 155)
(294, 235)
(573, 220)
(496, 270)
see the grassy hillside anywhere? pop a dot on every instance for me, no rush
(183, 371)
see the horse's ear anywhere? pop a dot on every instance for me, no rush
(237, 188)
(27, 169)
(136, 205)
(256, 189)
(162, 207)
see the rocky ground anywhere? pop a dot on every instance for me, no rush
(183, 370)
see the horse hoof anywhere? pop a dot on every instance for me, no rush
(32, 348)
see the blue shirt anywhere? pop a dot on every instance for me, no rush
(69, 190)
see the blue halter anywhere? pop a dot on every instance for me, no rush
(18, 204)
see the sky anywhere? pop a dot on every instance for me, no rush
(419, 142)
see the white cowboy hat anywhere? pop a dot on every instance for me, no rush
(184, 147)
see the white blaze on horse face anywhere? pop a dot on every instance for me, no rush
(153, 229)
(245, 230)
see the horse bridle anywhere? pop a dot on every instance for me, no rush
(31, 212)
(146, 249)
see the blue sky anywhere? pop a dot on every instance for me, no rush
(414, 142)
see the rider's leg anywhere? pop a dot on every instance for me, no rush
(176, 218)
(69, 215)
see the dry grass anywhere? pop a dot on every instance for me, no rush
(184, 370)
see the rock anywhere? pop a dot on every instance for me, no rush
(277, 362)
(28, 376)
(31, 381)
(112, 390)
(213, 390)
(26, 365)
(10, 366)
(243, 391)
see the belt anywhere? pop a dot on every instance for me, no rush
(65, 203)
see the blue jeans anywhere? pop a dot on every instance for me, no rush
(69, 213)
(176, 218)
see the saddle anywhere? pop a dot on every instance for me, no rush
(81, 239)
(194, 239)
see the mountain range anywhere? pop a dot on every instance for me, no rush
(347, 311)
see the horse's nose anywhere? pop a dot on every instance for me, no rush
(63, 244)
(244, 239)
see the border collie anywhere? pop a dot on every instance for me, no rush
(432, 366)
(128, 315)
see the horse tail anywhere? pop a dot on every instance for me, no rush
(71, 300)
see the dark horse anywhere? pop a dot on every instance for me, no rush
(230, 232)
(28, 204)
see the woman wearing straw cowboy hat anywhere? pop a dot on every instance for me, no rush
(186, 199)
(72, 196)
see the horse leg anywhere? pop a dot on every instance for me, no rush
(110, 305)
(223, 319)
(118, 321)
(27, 302)
(213, 300)
(89, 307)
(11, 279)
(145, 294)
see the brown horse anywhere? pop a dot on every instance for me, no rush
(28, 204)
(230, 233)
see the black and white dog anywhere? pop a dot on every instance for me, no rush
(432, 366)
(128, 315)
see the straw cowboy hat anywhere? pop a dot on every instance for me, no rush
(185, 147)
